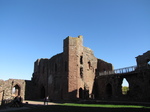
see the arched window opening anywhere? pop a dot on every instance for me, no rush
(109, 90)
(16, 90)
(125, 86)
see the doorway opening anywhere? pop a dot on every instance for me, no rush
(109, 90)
(42, 92)
(16, 90)
(81, 96)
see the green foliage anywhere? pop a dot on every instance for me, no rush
(125, 90)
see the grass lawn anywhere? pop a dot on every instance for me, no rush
(72, 107)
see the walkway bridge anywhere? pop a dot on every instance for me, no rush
(125, 71)
(119, 71)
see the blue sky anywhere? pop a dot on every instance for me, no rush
(116, 30)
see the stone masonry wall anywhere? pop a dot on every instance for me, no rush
(68, 75)
(11, 88)
(110, 86)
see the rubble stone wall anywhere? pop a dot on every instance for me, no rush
(12, 88)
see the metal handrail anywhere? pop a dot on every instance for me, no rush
(119, 71)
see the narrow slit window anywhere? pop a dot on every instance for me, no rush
(81, 59)
(89, 64)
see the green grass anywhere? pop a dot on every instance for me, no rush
(104, 105)
(74, 107)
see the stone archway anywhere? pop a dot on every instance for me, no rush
(125, 86)
(16, 90)
(108, 90)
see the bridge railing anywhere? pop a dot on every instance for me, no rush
(119, 71)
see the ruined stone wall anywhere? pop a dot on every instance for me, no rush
(89, 66)
(63, 75)
(1, 90)
(110, 86)
(31, 90)
(48, 76)
(139, 86)
(68, 75)
(103, 66)
(12, 88)
(101, 91)
(55, 77)
(40, 77)
(142, 60)
(74, 74)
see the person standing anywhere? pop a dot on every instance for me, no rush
(46, 99)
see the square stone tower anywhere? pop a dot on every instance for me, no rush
(81, 66)
(73, 49)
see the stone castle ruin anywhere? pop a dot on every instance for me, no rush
(77, 74)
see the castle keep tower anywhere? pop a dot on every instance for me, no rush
(69, 75)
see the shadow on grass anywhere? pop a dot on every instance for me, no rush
(62, 108)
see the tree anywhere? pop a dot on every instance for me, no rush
(125, 90)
